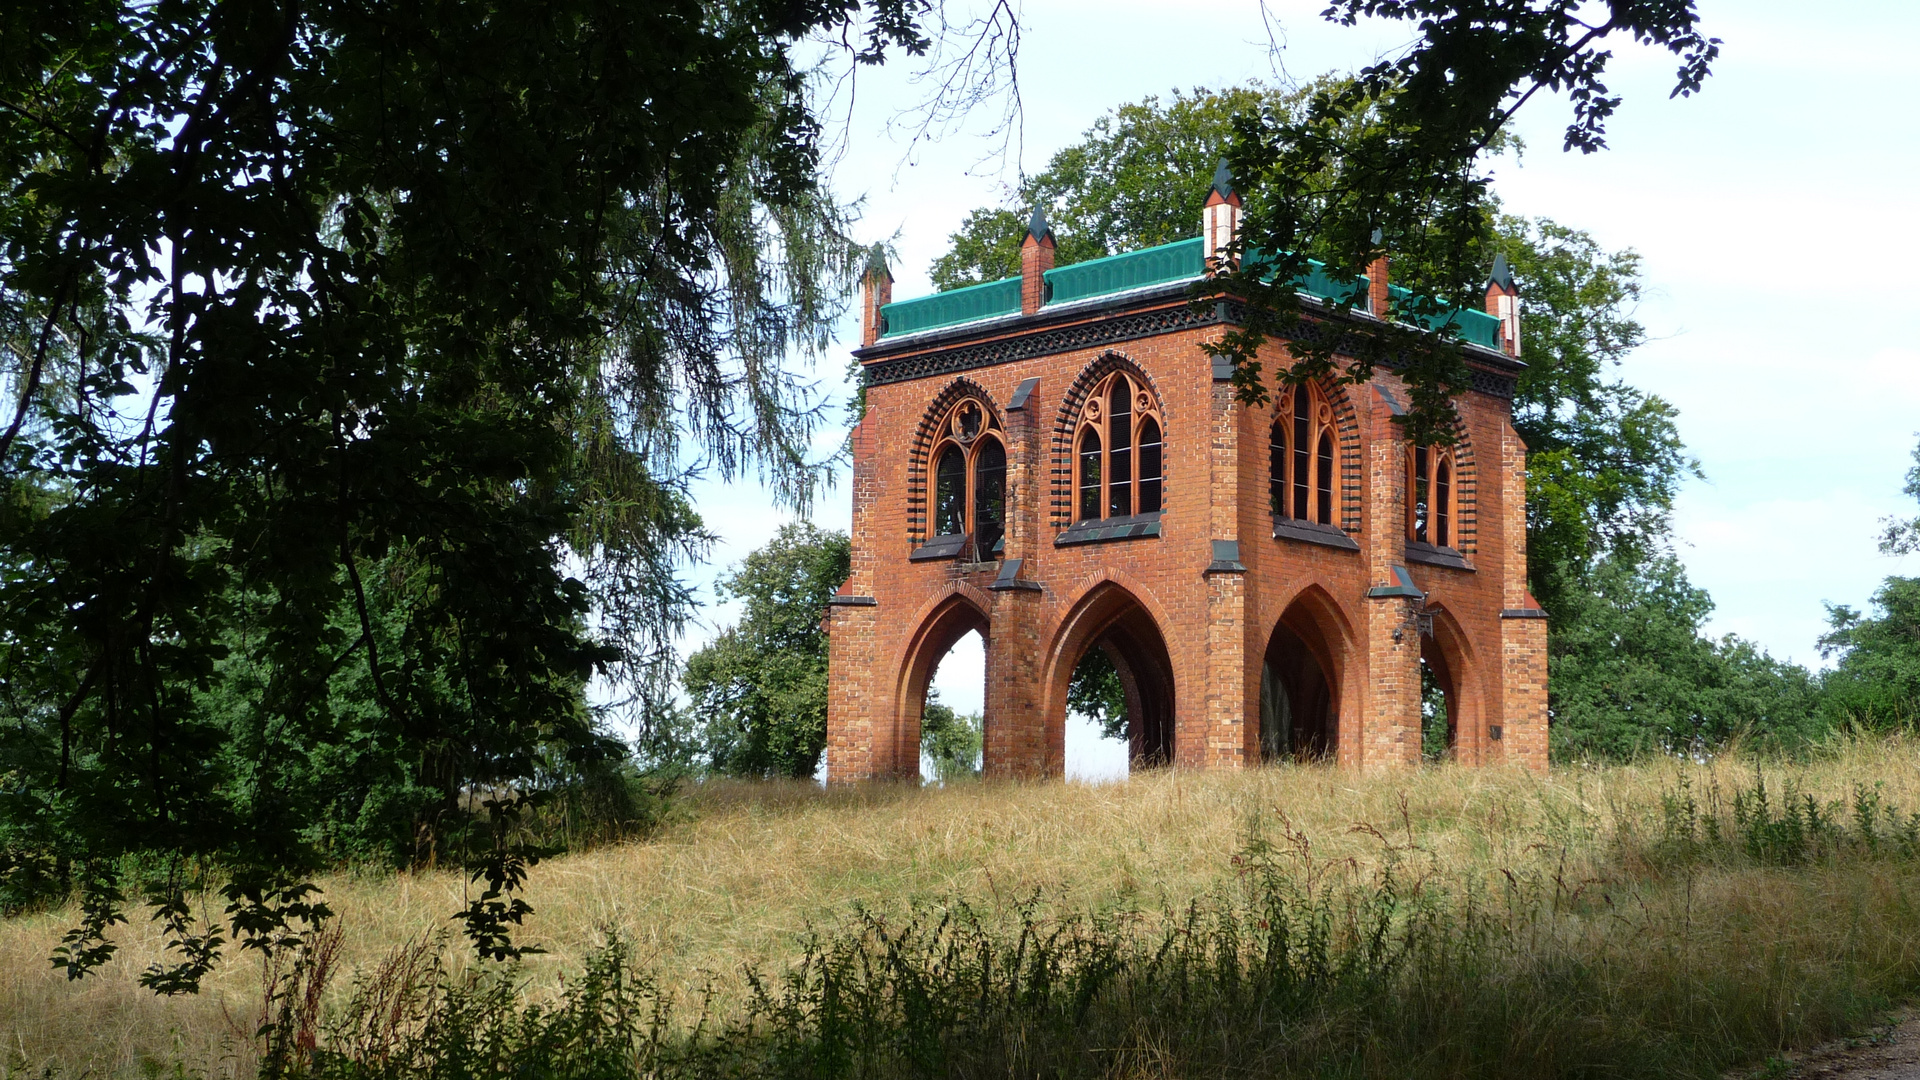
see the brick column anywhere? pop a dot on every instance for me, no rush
(854, 690)
(1017, 743)
(852, 697)
(1221, 743)
(1389, 714)
(1217, 738)
(1523, 626)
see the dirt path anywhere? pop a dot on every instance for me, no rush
(1888, 1052)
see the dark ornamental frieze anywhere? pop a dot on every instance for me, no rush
(1085, 335)
(1117, 328)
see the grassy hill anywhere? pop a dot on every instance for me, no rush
(1664, 919)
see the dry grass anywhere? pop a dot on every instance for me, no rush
(750, 867)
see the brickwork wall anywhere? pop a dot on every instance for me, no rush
(1215, 626)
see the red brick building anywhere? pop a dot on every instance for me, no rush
(1053, 461)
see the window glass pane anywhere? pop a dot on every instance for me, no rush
(1149, 466)
(1442, 504)
(1277, 468)
(1089, 474)
(950, 493)
(989, 496)
(1325, 514)
(1419, 494)
(1120, 455)
(1302, 449)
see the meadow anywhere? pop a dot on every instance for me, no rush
(1672, 917)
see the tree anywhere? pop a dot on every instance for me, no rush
(1095, 692)
(758, 693)
(1137, 178)
(950, 740)
(1876, 682)
(1605, 459)
(1903, 537)
(1631, 673)
(349, 349)
(1394, 160)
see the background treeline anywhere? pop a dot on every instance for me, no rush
(1631, 670)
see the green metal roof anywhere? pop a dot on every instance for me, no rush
(952, 307)
(1118, 273)
(1178, 261)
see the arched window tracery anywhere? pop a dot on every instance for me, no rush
(970, 478)
(1301, 459)
(1118, 460)
(1431, 514)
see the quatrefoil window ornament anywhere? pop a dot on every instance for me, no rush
(966, 422)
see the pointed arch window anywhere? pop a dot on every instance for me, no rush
(1300, 458)
(1118, 468)
(1431, 514)
(969, 501)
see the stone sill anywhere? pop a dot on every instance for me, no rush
(946, 547)
(1436, 556)
(1312, 532)
(1119, 528)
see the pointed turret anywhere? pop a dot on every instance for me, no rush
(1220, 220)
(1503, 303)
(1036, 258)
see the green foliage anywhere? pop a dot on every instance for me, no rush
(951, 741)
(1095, 692)
(1395, 159)
(1903, 537)
(1433, 717)
(1876, 683)
(1631, 674)
(1605, 460)
(759, 691)
(1137, 178)
(350, 349)
(1780, 825)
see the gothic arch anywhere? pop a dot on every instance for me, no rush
(1465, 486)
(925, 434)
(1060, 491)
(947, 618)
(1448, 652)
(1124, 620)
(1305, 678)
(1346, 429)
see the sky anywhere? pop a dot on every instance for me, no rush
(1775, 212)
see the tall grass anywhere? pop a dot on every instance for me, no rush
(1672, 919)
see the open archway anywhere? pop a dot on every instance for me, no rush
(1300, 683)
(1111, 624)
(951, 620)
(1447, 712)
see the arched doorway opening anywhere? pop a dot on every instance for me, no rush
(952, 725)
(1300, 687)
(940, 637)
(1113, 668)
(1444, 708)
